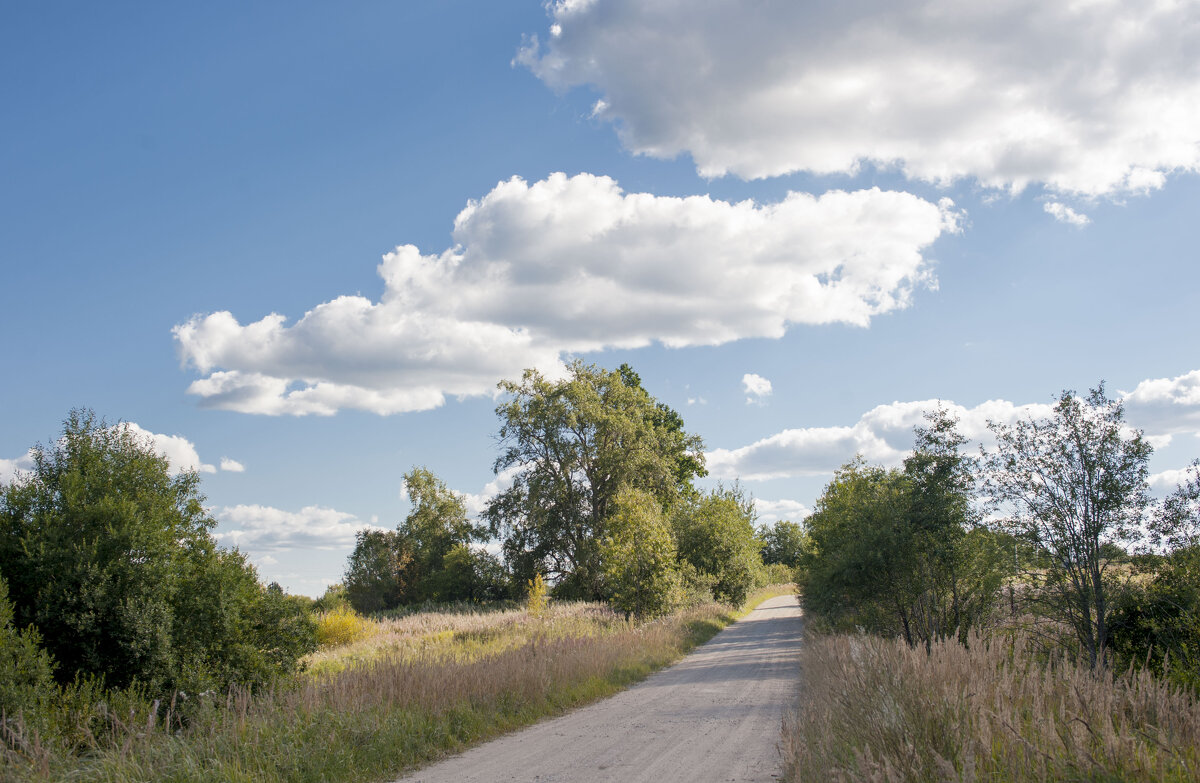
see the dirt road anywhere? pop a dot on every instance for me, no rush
(714, 716)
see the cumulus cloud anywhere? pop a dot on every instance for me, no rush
(1064, 214)
(1090, 98)
(11, 468)
(1165, 406)
(263, 530)
(232, 465)
(179, 451)
(776, 510)
(570, 265)
(883, 435)
(1167, 480)
(757, 387)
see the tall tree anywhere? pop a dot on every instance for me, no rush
(572, 445)
(1068, 484)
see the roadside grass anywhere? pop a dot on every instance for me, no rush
(414, 689)
(875, 710)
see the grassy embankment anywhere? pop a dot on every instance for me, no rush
(416, 688)
(875, 710)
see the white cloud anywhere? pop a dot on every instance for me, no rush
(10, 468)
(776, 510)
(1089, 98)
(758, 387)
(1165, 406)
(232, 465)
(884, 434)
(263, 530)
(1167, 480)
(571, 265)
(1064, 214)
(476, 502)
(179, 451)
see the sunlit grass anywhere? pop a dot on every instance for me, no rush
(876, 710)
(417, 687)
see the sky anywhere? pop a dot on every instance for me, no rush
(297, 245)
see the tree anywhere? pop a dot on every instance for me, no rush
(783, 543)
(376, 576)
(427, 558)
(1070, 483)
(715, 534)
(638, 553)
(436, 527)
(857, 569)
(571, 445)
(112, 558)
(900, 552)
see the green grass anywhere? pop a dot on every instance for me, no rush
(415, 689)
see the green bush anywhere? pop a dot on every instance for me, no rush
(25, 668)
(1156, 624)
(112, 558)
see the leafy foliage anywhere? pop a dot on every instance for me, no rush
(25, 668)
(1072, 482)
(783, 543)
(899, 552)
(111, 557)
(715, 536)
(427, 558)
(638, 553)
(573, 444)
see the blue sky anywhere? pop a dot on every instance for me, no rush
(868, 206)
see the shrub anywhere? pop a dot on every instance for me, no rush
(112, 558)
(25, 668)
(342, 626)
(537, 599)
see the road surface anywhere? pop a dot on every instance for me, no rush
(714, 716)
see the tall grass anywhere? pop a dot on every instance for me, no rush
(418, 687)
(876, 710)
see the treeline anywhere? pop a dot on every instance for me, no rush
(1051, 530)
(113, 588)
(601, 504)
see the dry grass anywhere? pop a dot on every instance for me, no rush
(875, 710)
(419, 687)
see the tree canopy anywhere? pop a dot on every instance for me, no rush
(571, 446)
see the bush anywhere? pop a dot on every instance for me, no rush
(537, 599)
(25, 668)
(112, 558)
(342, 626)
(1156, 624)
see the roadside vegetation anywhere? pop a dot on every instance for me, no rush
(133, 647)
(1027, 615)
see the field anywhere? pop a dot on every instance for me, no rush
(876, 710)
(412, 689)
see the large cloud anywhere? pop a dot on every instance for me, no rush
(1159, 407)
(571, 265)
(1090, 97)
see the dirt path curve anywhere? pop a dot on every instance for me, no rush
(714, 716)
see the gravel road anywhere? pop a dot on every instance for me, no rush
(714, 716)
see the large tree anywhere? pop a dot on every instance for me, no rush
(1068, 484)
(570, 446)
